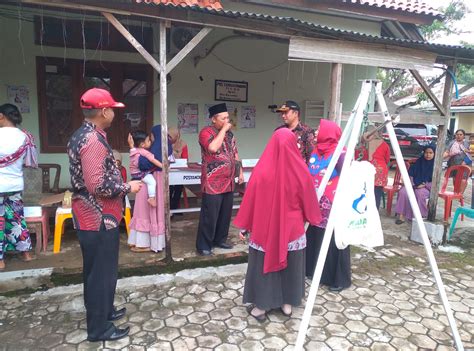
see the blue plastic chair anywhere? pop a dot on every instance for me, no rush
(469, 212)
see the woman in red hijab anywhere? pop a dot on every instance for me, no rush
(279, 199)
(337, 269)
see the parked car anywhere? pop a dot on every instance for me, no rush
(413, 137)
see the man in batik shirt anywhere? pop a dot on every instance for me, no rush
(290, 114)
(219, 156)
(97, 207)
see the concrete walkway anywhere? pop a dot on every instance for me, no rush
(392, 304)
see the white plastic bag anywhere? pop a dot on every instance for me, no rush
(357, 218)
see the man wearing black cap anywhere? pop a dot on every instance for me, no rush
(290, 114)
(219, 156)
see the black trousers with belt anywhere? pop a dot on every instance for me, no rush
(100, 269)
(214, 220)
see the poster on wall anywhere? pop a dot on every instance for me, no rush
(231, 108)
(19, 95)
(188, 118)
(247, 116)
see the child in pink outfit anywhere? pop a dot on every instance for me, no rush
(141, 142)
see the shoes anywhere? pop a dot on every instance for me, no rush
(335, 288)
(117, 314)
(224, 246)
(117, 334)
(284, 313)
(399, 221)
(260, 318)
(204, 252)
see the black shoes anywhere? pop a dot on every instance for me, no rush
(117, 334)
(224, 246)
(117, 314)
(336, 288)
(204, 252)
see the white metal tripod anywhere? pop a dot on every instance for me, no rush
(349, 139)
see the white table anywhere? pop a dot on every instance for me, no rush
(192, 176)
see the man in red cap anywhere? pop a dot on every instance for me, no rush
(98, 192)
(219, 156)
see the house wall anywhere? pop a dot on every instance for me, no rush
(240, 59)
(466, 121)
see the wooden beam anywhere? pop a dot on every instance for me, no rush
(428, 92)
(335, 86)
(187, 49)
(357, 53)
(150, 59)
(440, 146)
(164, 139)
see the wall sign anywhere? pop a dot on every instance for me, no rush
(227, 90)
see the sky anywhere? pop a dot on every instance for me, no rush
(467, 24)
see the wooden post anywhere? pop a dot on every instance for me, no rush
(146, 55)
(188, 48)
(440, 146)
(164, 138)
(335, 97)
(429, 92)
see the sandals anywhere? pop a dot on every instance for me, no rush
(140, 249)
(260, 318)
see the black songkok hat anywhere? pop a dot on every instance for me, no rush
(219, 108)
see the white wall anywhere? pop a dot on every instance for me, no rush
(293, 80)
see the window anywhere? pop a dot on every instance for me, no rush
(94, 35)
(61, 84)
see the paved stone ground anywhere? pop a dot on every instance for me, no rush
(392, 304)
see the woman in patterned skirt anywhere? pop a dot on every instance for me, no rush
(16, 149)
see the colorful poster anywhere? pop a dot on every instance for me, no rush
(19, 96)
(247, 116)
(188, 118)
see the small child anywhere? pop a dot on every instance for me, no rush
(118, 162)
(141, 142)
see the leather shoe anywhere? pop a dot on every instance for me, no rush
(204, 252)
(117, 334)
(117, 314)
(224, 246)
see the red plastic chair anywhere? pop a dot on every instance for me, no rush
(41, 226)
(394, 188)
(461, 177)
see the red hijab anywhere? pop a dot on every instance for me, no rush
(328, 137)
(279, 198)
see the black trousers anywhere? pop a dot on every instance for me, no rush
(100, 269)
(175, 196)
(214, 220)
(337, 268)
(378, 192)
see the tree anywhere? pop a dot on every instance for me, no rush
(395, 81)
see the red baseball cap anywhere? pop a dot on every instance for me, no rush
(98, 98)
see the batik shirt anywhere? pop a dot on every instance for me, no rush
(98, 187)
(304, 139)
(218, 169)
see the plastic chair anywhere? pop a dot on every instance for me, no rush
(63, 214)
(46, 173)
(394, 188)
(460, 179)
(41, 228)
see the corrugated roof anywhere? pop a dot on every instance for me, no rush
(413, 6)
(304, 26)
(464, 101)
(209, 4)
